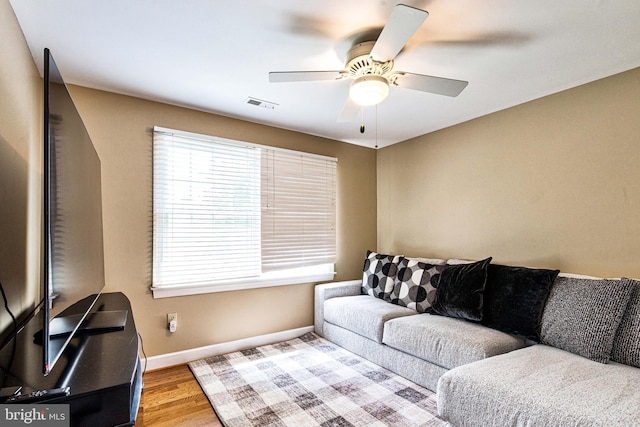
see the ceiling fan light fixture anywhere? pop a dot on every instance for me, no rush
(369, 90)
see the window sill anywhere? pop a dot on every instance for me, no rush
(184, 290)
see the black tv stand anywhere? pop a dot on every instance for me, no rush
(95, 322)
(102, 370)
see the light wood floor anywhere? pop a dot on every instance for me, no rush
(173, 397)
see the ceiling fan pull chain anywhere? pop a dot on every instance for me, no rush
(376, 126)
(362, 123)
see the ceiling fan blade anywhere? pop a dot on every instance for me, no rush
(402, 24)
(304, 76)
(431, 84)
(349, 111)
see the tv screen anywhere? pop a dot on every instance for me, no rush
(73, 261)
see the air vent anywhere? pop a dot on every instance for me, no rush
(261, 103)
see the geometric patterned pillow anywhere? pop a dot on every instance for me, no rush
(626, 345)
(379, 274)
(414, 285)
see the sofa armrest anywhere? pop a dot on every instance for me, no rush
(331, 290)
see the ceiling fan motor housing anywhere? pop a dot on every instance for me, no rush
(360, 62)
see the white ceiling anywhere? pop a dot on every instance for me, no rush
(211, 55)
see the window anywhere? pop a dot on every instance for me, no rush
(233, 215)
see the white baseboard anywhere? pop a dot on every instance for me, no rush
(185, 356)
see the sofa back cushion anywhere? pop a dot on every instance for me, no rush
(514, 299)
(626, 345)
(415, 284)
(582, 315)
(379, 274)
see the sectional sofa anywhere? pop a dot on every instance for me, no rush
(501, 345)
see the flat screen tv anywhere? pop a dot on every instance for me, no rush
(73, 261)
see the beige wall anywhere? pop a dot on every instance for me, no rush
(550, 183)
(119, 127)
(20, 170)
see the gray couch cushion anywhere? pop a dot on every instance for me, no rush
(582, 315)
(626, 346)
(540, 386)
(446, 341)
(417, 370)
(363, 314)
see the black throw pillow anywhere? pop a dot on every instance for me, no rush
(461, 290)
(514, 299)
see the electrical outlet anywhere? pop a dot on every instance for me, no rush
(172, 321)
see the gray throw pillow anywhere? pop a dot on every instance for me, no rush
(581, 315)
(626, 345)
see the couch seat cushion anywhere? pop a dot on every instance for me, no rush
(540, 386)
(363, 314)
(446, 341)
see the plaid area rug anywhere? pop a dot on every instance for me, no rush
(309, 381)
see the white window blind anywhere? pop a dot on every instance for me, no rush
(298, 210)
(232, 215)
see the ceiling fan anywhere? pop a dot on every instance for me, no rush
(370, 65)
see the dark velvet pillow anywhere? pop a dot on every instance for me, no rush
(514, 299)
(461, 290)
